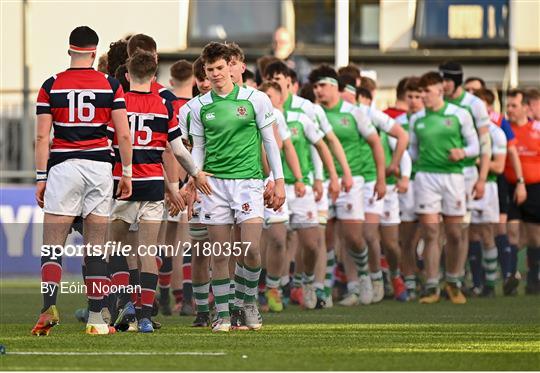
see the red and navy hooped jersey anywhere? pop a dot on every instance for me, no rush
(80, 101)
(157, 88)
(178, 103)
(152, 123)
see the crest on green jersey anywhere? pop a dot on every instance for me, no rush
(345, 122)
(448, 122)
(294, 131)
(241, 112)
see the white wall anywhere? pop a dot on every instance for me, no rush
(49, 24)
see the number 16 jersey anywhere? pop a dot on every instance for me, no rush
(80, 101)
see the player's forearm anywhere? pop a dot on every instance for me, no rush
(339, 153)
(279, 141)
(198, 151)
(272, 152)
(292, 159)
(327, 159)
(123, 137)
(472, 148)
(374, 142)
(264, 162)
(42, 153)
(43, 132)
(170, 166)
(184, 157)
(515, 161)
(402, 141)
(405, 165)
(318, 168)
(496, 165)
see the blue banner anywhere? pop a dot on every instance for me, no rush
(21, 234)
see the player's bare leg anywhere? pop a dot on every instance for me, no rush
(275, 258)
(390, 243)
(219, 235)
(55, 231)
(95, 234)
(148, 235)
(409, 238)
(429, 228)
(373, 241)
(454, 253)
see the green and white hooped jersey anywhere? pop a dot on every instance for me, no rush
(304, 133)
(231, 128)
(434, 133)
(351, 127)
(479, 113)
(499, 145)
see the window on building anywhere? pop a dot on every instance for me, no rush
(234, 20)
(461, 23)
(315, 22)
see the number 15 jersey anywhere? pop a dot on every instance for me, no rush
(152, 123)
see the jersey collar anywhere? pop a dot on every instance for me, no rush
(231, 96)
(336, 108)
(459, 98)
(440, 111)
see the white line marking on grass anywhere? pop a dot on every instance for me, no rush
(113, 353)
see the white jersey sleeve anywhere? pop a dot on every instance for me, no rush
(196, 127)
(363, 123)
(282, 127)
(498, 140)
(312, 132)
(322, 120)
(480, 113)
(468, 132)
(183, 120)
(264, 111)
(379, 119)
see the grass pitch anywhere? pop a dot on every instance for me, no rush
(485, 334)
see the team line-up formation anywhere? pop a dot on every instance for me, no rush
(338, 200)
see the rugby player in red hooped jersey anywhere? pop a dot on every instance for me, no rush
(527, 133)
(154, 126)
(74, 178)
(401, 106)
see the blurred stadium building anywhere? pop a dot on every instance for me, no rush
(392, 38)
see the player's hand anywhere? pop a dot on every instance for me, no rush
(520, 194)
(268, 194)
(456, 154)
(379, 191)
(392, 170)
(201, 182)
(191, 197)
(318, 189)
(346, 182)
(479, 189)
(402, 185)
(333, 189)
(279, 194)
(124, 188)
(299, 189)
(40, 193)
(175, 201)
